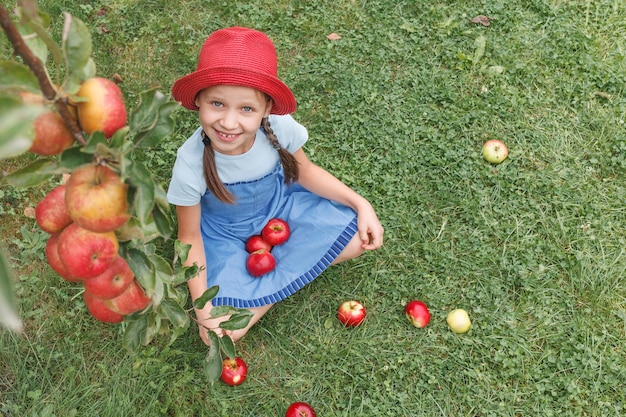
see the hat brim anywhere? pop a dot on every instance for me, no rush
(186, 88)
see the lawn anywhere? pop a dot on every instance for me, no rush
(398, 108)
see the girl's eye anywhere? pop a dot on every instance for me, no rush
(247, 109)
(217, 104)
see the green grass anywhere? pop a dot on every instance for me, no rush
(534, 249)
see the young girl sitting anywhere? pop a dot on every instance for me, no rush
(243, 166)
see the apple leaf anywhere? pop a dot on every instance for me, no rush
(238, 320)
(227, 345)
(174, 313)
(8, 311)
(17, 76)
(74, 157)
(135, 331)
(151, 121)
(221, 311)
(163, 222)
(207, 296)
(140, 177)
(181, 252)
(213, 360)
(143, 269)
(36, 173)
(16, 132)
(77, 47)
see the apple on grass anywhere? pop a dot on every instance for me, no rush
(260, 262)
(54, 260)
(104, 109)
(50, 213)
(300, 409)
(86, 254)
(495, 151)
(458, 320)
(112, 282)
(99, 310)
(234, 371)
(133, 299)
(256, 242)
(95, 197)
(276, 232)
(417, 313)
(351, 313)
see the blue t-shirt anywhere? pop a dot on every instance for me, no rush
(187, 185)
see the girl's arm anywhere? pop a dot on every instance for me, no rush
(189, 232)
(321, 182)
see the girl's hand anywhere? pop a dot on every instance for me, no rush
(370, 230)
(205, 322)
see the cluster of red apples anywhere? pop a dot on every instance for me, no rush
(83, 214)
(260, 260)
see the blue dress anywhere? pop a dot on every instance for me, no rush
(320, 230)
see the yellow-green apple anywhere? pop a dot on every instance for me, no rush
(104, 110)
(131, 300)
(112, 282)
(99, 310)
(50, 133)
(234, 371)
(458, 320)
(417, 313)
(50, 213)
(495, 151)
(52, 254)
(84, 253)
(351, 313)
(96, 198)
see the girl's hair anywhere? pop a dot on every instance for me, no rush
(215, 186)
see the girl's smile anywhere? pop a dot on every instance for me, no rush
(231, 115)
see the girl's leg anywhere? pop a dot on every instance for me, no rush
(352, 250)
(257, 313)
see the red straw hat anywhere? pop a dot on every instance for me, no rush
(236, 56)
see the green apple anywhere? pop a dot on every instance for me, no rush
(495, 151)
(459, 321)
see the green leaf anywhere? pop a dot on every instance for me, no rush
(16, 126)
(163, 222)
(213, 360)
(8, 310)
(75, 157)
(228, 346)
(480, 44)
(181, 251)
(77, 48)
(175, 313)
(207, 296)
(36, 173)
(17, 76)
(151, 121)
(221, 311)
(143, 270)
(139, 176)
(237, 321)
(134, 332)
(160, 130)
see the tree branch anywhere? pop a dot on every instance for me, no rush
(37, 67)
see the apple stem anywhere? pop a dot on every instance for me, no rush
(37, 67)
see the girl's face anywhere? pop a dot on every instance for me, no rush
(231, 115)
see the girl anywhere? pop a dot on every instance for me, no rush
(245, 165)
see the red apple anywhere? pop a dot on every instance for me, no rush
(99, 310)
(50, 213)
(112, 282)
(300, 409)
(52, 253)
(275, 232)
(104, 110)
(234, 371)
(86, 254)
(256, 242)
(495, 151)
(351, 313)
(96, 199)
(130, 301)
(51, 134)
(260, 262)
(417, 313)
